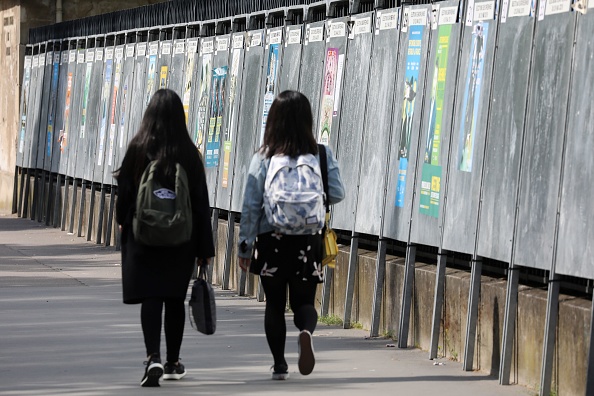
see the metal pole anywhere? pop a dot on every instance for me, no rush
(327, 290)
(91, 212)
(57, 201)
(81, 212)
(21, 193)
(65, 203)
(35, 199)
(550, 335)
(26, 195)
(15, 190)
(509, 324)
(50, 203)
(438, 300)
(380, 276)
(99, 239)
(110, 216)
(215, 231)
(350, 287)
(41, 198)
(471, 321)
(73, 208)
(590, 372)
(228, 250)
(409, 279)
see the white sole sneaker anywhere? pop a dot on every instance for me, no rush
(153, 373)
(307, 360)
(280, 376)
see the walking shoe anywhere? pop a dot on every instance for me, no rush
(280, 372)
(153, 372)
(174, 371)
(307, 360)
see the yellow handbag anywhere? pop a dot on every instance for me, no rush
(330, 245)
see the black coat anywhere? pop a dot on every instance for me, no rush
(149, 271)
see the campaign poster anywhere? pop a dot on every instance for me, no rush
(189, 72)
(328, 92)
(271, 81)
(411, 81)
(52, 106)
(228, 136)
(123, 111)
(27, 85)
(103, 109)
(112, 117)
(163, 78)
(431, 174)
(217, 105)
(472, 96)
(63, 138)
(85, 99)
(205, 82)
(150, 78)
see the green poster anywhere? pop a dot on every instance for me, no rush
(430, 190)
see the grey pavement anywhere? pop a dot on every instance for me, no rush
(65, 331)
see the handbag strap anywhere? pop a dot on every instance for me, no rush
(202, 273)
(324, 169)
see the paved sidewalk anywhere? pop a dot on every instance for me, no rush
(65, 331)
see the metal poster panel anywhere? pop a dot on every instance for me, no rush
(331, 96)
(189, 80)
(350, 123)
(51, 114)
(470, 124)
(576, 214)
(312, 57)
(124, 105)
(75, 113)
(29, 127)
(24, 108)
(546, 118)
(113, 115)
(176, 73)
(164, 64)
(272, 59)
(216, 114)
(44, 106)
(152, 74)
(64, 137)
(204, 91)
(372, 168)
(36, 120)
(230, 130)
(104, 105)
(505, 134)
(90, 118)
(406, 126)
(436, 126)
(60, 107)
(249, 121)
(289, 72)
(137, 96)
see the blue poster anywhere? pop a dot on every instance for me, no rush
(472, 96)
(411, 82)
(217, 106)
(271, 78)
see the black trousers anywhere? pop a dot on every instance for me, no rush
(151, 314)
(301, 299)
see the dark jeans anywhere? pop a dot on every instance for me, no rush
(301, 298)
(151, 319)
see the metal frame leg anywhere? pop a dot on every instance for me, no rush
(242, 282)
(509, 324)
(350, 287)
(15, 190)
(35, 199)
(65, 203)
(81, 212)
(260, 292)
(590, 372)
(471, 322)
(215, 231)
(21, 193)
(380, 276)
(91, 212)
(407, 293)
(41, 198)
(57, 202)
(228, 250)
(327, 290)
(550, 335)
(109, 229)
(50, 203)
(25, 212)
(73, 208)
(99, 240)
(438, 299)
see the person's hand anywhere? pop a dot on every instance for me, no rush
(244, 263)
(204, 261)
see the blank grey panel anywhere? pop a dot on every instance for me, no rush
(249, 122)
(103, 116)
(543, 141)
(60, 106)
(111, 145)
(92, 116)
(24, 108)
(74, 161)
(312, 66)
(350, 121)
(228, 137)
(409, 97)
(218, 108)
(504, 138)
(51, 113)
(376, 132)
(436, 130)
(36, 108)
(468, 135)
(124, 106)
(65, 134)
(137, 96)
(178, 61)
(289, 74)
(574, 244)
(43, 111)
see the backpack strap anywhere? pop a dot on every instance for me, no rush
(324, 169)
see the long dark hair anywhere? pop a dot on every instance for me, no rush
(289, 126)
(162, 136)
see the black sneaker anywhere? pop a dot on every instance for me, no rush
(280, 372)
(174, 371)
(307, 360)
(153, 372)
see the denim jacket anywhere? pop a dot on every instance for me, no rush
(253, 219)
